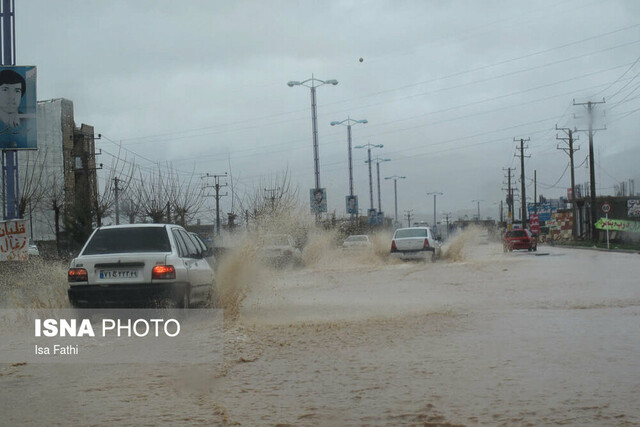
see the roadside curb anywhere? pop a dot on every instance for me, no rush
(593, 248)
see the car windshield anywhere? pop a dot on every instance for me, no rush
(411, 232)
(517, 233)
(128, 239)
(276, 240)
(356, 239)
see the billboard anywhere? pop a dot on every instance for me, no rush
(373, 217)
(18, 108)
(352, 204)
(544, 210)
(14, 240)
(318, 200)
(633, 208)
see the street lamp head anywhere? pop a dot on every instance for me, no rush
(331, 82)
(378, 146)
(385, 160)
(335, 123)
(363, 121)
(293, 83)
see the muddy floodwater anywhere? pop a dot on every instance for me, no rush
(482, 337)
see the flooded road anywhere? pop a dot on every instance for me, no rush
(481, 338)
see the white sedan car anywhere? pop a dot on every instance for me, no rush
(137, 265)
(415, 243)
(358, 242)
(279, 250)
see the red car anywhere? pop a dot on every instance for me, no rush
(519, 239)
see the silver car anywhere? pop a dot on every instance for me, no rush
(415, 243)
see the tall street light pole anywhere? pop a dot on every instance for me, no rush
(312, 84)
(378, 160)
(435, 193)
(395, 179)
(369, 146)
(350, 122)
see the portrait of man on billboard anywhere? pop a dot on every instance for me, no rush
(352, 204)
(318, 200)
(373, 217)
(18, 108)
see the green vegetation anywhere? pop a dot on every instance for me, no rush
(601, 245)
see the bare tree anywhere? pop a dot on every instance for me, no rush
(186, 198)
(56, 197)
(117, 180)
(152, 194)
(32, 179)
(273, 197)
(128, 205)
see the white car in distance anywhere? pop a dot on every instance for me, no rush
(279, 250)
(357, 242)
(415, 243)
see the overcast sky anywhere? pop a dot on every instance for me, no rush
(445, 85)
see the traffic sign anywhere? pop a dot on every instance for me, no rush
(606, 208)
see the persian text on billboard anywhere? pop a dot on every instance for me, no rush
(14, 240)
(544, 210)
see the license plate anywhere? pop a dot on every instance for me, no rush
(118, 274)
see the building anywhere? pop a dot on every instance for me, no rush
(58, 181)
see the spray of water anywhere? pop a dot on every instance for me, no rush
(456, 248)
(237, 270)
(381, 244)
(321, 249)
(36, 283)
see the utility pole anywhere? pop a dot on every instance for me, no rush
(535, 192)
(592, 171)
(478, 202)
(408, 216)
(447, 215)
(116, 190)
(435, 193)
(570, 150)
(509, 199)
(523, 190)
(217, 187)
